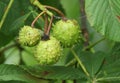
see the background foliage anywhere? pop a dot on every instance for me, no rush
(102, 62)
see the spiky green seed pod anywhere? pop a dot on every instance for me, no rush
(67, 32)
(29, 36)
(48, 52)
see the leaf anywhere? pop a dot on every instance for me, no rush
(12, 82)
(72, 9)
(28, 58)
(82, 81)
(4, 39)
(92, 62)
(55, 72)
(16, 73)
(33, 74)
(103, 16)
(111, 67)
(18, 9)
(110, 72)
(10, 25)
(18, 23)
(12, 56)
(2, 5)
(13, 31)
(113, 55)
(54, 3)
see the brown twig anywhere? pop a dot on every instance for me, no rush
(49, 27)
(83, 23)
(32, 25)
(56, 10)
(46, 23)
(47, 32)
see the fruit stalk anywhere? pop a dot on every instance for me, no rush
(46, 23)
(55, 9)
(49, 27)
(32, 25)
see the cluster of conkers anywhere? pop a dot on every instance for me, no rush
(64, 34)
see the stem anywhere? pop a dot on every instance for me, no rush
(92, 45)
(32, 25)
(83, 23)
(71, 62)
(46, 24)
(49, 27)
(80, 62)
(6, 12)
(55, 9)
(41, 7)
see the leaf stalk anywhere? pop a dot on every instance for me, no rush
(80, 62)
(6, 13)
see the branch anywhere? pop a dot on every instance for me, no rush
(41, 7)
(83, 22)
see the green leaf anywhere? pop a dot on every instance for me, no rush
(13, 31)
(18, 9)
(92, 62)
(55, 72)
(12, 56)
(111, 67)
(2, 8)
(103, 16)
(16, 73)
(33, 74)
(18, 23)
(54, 3)
(113, 55)
(11, 24)
(4, 39)
(12, 82)
(72, 9)
(110, 72)
(28, 58)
